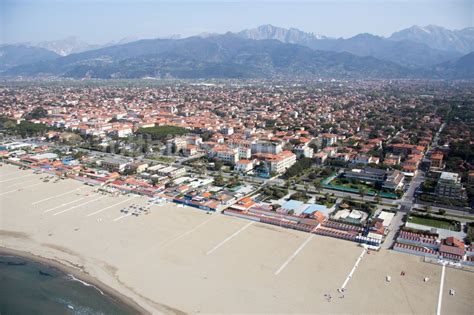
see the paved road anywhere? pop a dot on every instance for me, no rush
(406, 204)
(408, 198)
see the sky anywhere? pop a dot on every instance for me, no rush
(102, 21)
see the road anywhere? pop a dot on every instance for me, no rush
(406, 204)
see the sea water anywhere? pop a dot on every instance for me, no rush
(28, 287)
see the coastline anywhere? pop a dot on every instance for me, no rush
(79, 275)
(179, 259)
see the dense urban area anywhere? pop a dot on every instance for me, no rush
(382, 163)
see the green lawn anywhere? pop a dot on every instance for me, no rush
(432, 222)
(163, 159)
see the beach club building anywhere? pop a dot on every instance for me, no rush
(114, 164)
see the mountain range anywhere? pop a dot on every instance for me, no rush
(264, 52)
(403, 51)
(437, 37)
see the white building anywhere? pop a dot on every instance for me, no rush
(244, 153)
(277, 163)
(225, 154)
(243, 166)
(227, 131)
(304, 151)
(266, 147)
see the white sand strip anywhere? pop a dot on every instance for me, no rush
(56, 196)
(7, 180)
(441, 285)
(294, 255)
(19, 189)
(75, 207)
(353, 269)
(229, 238)
(122, 216)
(64, 204)
(111, 206)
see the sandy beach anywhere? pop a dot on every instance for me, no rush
(182, 260)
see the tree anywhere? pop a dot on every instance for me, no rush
(362, 192)
(128, 171)
(79, 154)
(317, 185)
(441, 211)
(218, 165)
(38, 112)
(377, 199)
(219, 180)
(314, 146)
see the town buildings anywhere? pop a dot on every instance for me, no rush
(449, 186)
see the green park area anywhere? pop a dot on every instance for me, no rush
(435, 222)
(162, 132)
(347, 185)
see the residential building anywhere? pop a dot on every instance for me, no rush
(190, 150)
(449, 186)
(320, 158)
(364, 159)
(394, 180)
(225, 154)
(244, 153)
(243, 166)
(266, 147)
(470, 179)
(175, 145)
(436, 160)
(328, 139)
(277, 163)
(304, 151)
(227, 131)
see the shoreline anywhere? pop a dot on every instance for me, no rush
(79, 275)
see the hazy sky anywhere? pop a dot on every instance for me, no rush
(105, 20)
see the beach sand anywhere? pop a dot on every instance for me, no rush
(182, 260)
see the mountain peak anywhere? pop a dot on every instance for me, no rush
(437, 37)
(269, 31)
(66, 46)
